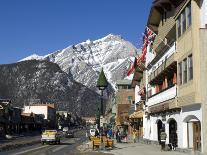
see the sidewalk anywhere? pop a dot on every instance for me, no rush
(140, 149)
(19, 141)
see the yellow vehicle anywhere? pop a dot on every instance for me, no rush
(50, 136)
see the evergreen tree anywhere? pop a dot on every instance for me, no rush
(102, 82)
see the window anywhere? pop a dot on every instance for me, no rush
(180, 72)
(184, 70)
(183, 21)
(179, 27)
(130, 99)
(188, 14)
(190, 67)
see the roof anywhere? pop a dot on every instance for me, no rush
(123, 82)
(157, 8)
(51, 105)
(25, 114)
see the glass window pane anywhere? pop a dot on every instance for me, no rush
(183, 21)
(180, 72)
(179, 26)
(188, 12)
(190, 67)
(184, 70)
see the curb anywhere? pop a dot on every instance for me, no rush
(8, 147)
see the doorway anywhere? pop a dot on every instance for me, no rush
(173, 132)
(159, 127)
(197, 136)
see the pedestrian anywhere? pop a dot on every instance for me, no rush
(163, 137)
(174, 140)
(96, 133)
(134, 136)
(110, 133)
(118, 136)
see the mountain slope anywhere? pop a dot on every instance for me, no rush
(83, 62)
(30, 80)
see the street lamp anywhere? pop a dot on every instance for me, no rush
(102, 84)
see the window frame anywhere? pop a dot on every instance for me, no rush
(180, 73)
(188, 14)
(184, 20)
(190, 67)
(185, 71)
(179, 31)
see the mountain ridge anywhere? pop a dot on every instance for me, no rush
(83, 61)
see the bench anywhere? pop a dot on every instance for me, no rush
(96, 143)
(107, 143)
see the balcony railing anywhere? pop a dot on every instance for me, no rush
(167, 59)
(162, 96)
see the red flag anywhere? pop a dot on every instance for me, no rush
(149, 37)
(132, 67)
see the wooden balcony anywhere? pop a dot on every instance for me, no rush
(166, 67)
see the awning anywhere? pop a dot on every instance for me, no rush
(137, 114)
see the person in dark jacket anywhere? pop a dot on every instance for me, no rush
(118, 136)
(174, 140)
(163, 137)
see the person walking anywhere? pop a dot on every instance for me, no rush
(118, 136)
(163, 137)
(174, 140)
(110, 133)
(134, 135)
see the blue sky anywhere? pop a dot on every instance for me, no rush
(44, 26)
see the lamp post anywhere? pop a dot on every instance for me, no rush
(101, 84)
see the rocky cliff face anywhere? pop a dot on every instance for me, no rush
(83, 61)
(28, 81)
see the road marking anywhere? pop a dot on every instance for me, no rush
(30, 150)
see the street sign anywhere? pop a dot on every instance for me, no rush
(101, 121)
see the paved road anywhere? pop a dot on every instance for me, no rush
(67, 147)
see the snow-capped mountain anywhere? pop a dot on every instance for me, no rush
(84, 61)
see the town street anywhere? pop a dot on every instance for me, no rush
(67, 146)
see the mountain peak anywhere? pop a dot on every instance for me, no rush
(109, 37)
(83, 61)
(33, 57)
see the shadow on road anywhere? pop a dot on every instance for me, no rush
(64, 143)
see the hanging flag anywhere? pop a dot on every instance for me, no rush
(148, 38)
(132, 67)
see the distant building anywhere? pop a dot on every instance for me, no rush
(124, 101)
(89, 120)
(48, 110)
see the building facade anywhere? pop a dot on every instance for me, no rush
(175, 81)
(47, 110)
(124, 101)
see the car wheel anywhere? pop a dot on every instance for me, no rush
(43, 143)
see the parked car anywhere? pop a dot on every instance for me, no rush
(50, 136)
(69, 134)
